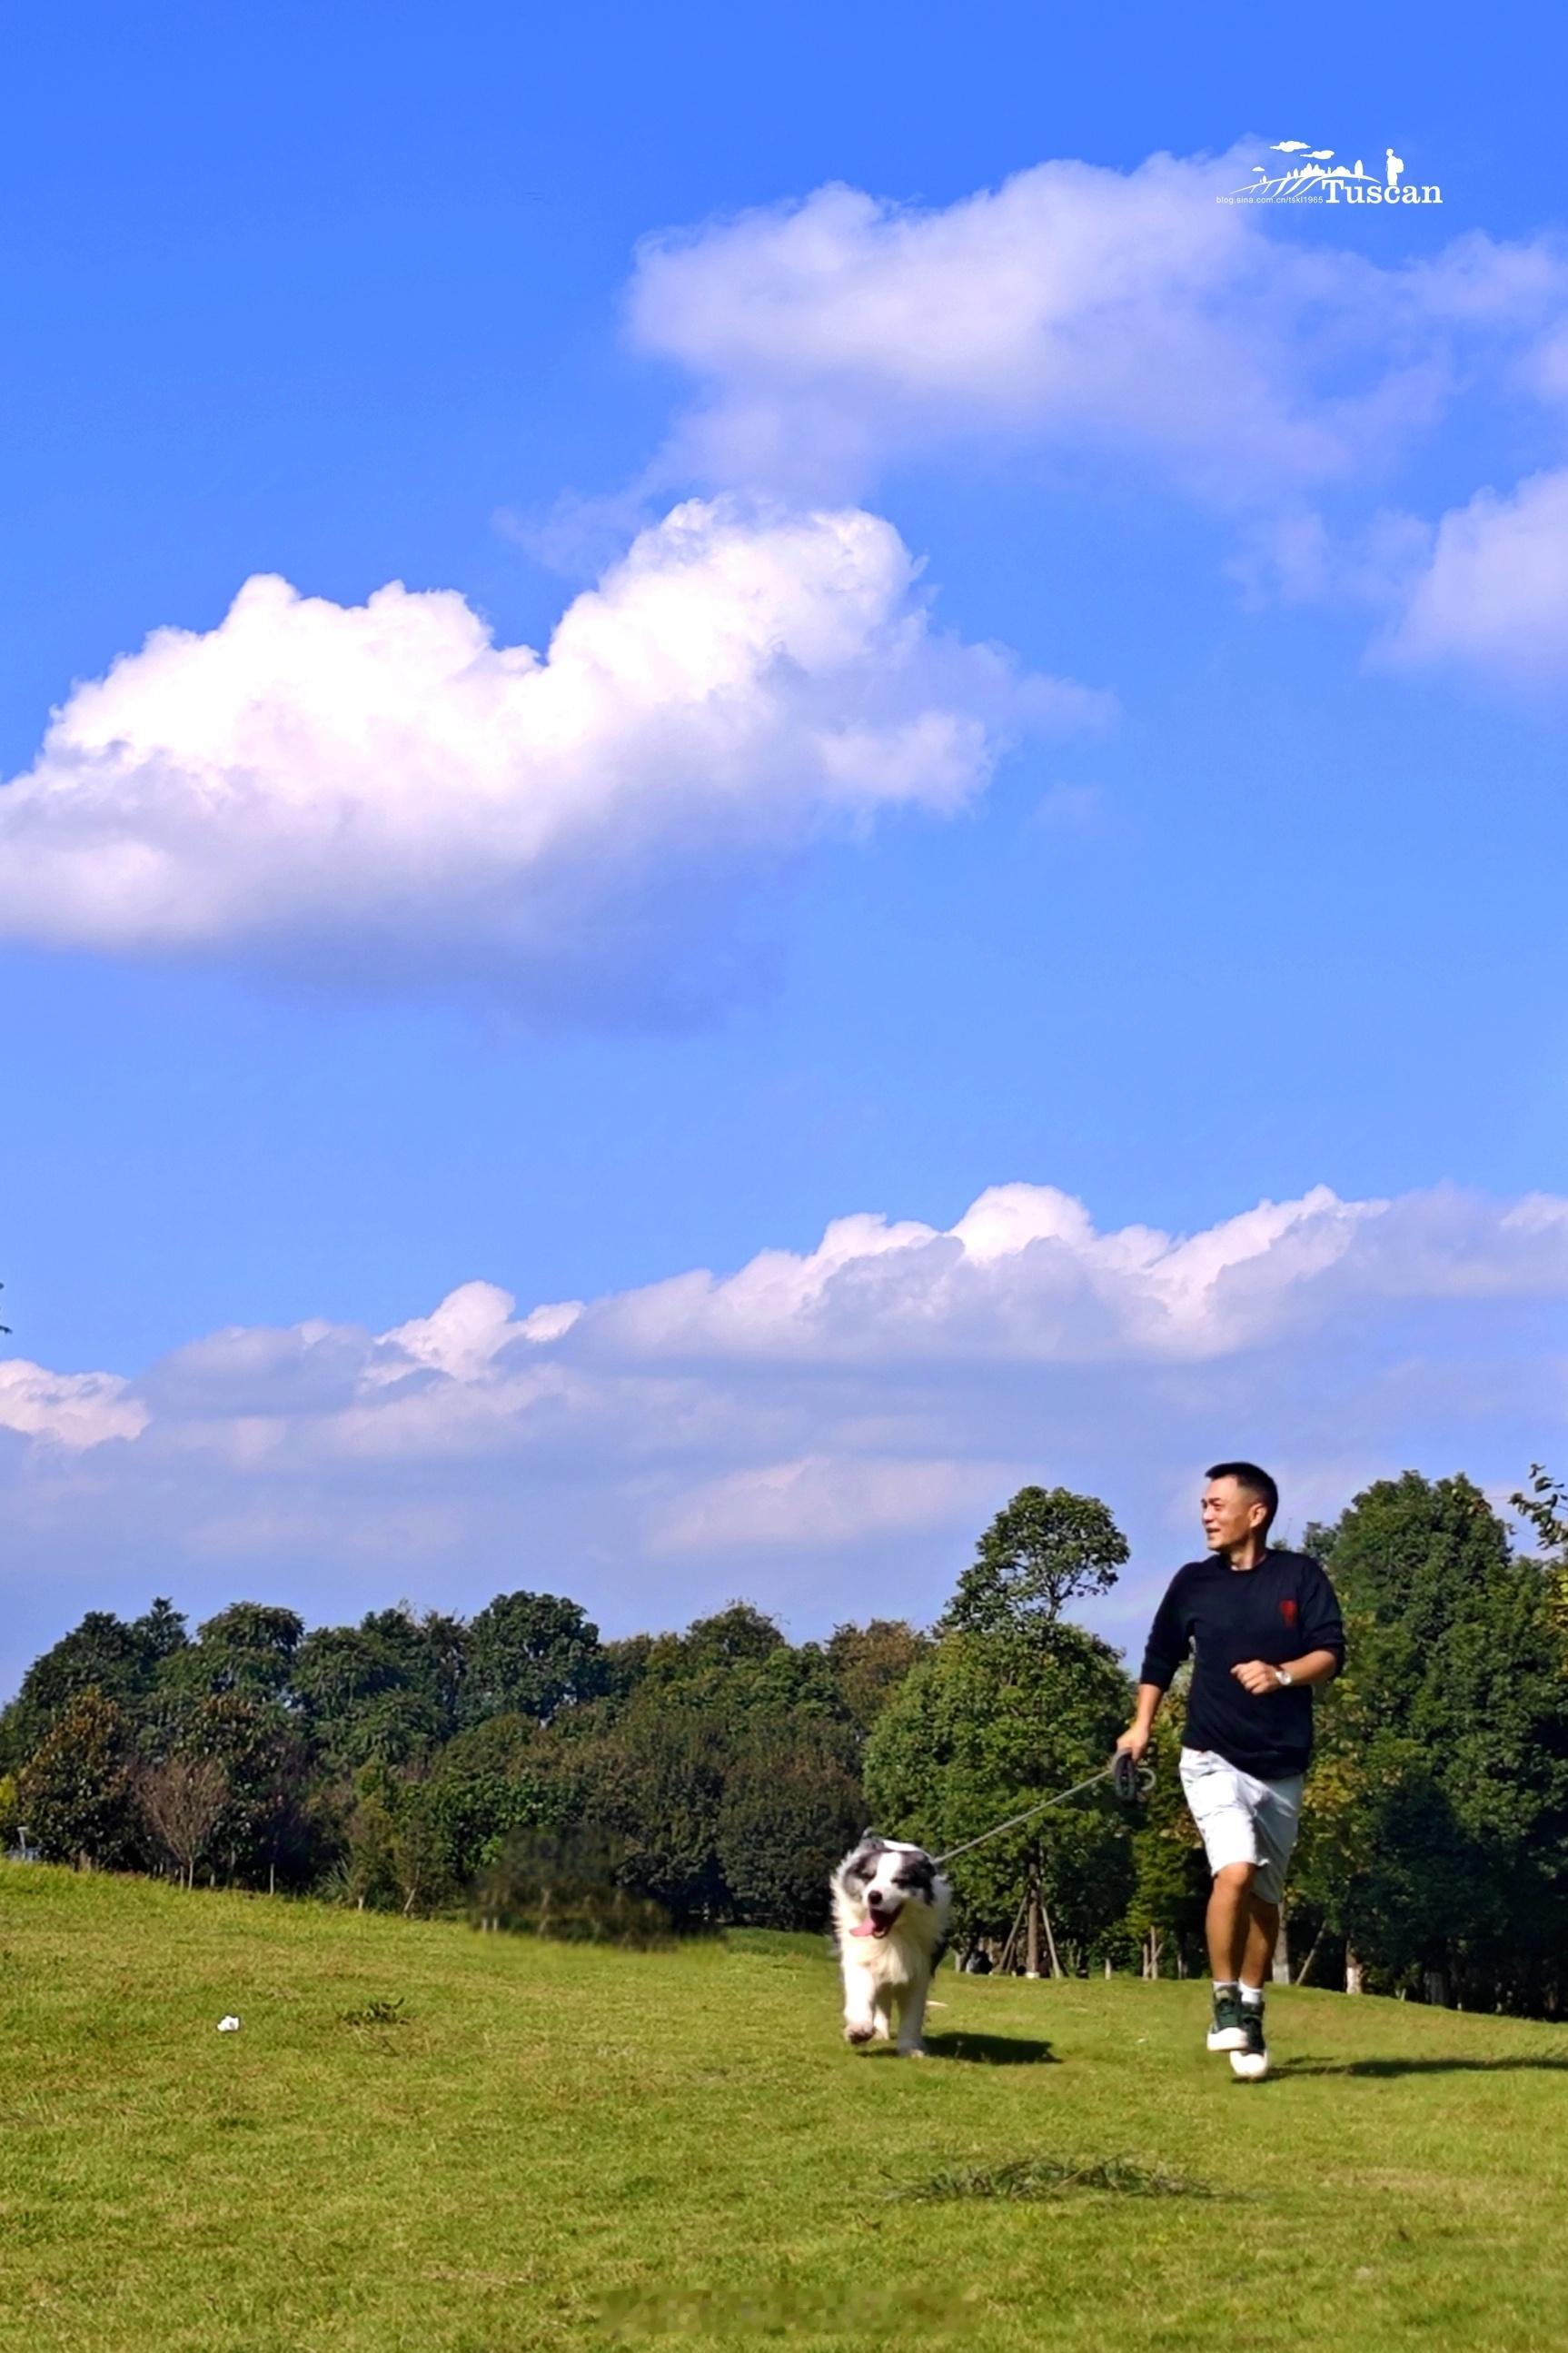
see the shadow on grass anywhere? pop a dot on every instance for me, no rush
(1550, 2064)
(992, 2049)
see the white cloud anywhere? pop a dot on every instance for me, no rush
(66, 1410)
(1073, 305)
(382, 786)
(831, 1503)
(1494, 593)
(825, 1430)
(1025, 1277)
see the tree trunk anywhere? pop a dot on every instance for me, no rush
(1032, 1933)
(1436, 1984)
(1057, 1968)
(1305, 1971)
(1009, 1952)
(1282, 1954)
(1354, 1973)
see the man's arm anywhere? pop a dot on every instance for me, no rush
(1257, 1677)
(1169, 1642)
(1323, 1630)
(1136, 1737)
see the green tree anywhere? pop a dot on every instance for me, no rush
(104, 1653)
(986, 1728)
(385, 1689)
(732, 1635)
(654, 1785)
(1043, 1550)
(1436, 1841)
(737, 1664)
(530, 1654)
(504, 1775)
(266, 1831)
(791, 1805)
(1170, 1876)
(868, 1663)
(77, 1794)
(1544, 1506)
(247, 1651)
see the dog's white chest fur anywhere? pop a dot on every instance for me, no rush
(890, 1907)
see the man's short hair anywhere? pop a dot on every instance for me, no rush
(1256, 1482)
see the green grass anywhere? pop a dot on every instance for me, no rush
(430, 2139)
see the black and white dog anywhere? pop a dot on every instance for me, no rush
(890, 1905)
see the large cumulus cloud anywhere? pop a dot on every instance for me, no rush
(823, 1429)
(1076, 306)
(383, 785)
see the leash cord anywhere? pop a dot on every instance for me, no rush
(1014, 1822)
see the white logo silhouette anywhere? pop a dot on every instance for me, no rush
(1309, 176)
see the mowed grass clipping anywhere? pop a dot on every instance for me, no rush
(428, 2138)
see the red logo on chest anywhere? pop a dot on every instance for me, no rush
(1287, 1611)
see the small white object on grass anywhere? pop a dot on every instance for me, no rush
(228, 2026)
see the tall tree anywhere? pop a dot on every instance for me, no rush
(530, 1654)
(77, 1794)
(264, 1831)
(1043, 1550)
(1544, 1506)
(385, 1689)
(248, 1649)
(868, 1663)
(104, 1653)
(654, 1784)
(984, 1728)
(1436, 1822)
(791, 1804)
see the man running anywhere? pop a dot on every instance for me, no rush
(1262, 1628)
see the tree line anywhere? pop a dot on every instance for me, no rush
(516, 1763)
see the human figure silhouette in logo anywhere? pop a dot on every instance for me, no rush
(1395, 165)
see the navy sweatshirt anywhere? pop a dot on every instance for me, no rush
(1223, 1616)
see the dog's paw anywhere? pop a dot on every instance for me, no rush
(858, 2033)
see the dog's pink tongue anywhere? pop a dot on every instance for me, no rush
(866, 1928)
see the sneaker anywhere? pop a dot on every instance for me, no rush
(1229, 2031)
(1251, 2062)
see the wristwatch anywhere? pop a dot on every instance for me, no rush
(1284, 1678)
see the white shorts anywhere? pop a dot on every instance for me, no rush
(1242, 1818)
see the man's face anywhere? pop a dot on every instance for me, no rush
(1230, 1513)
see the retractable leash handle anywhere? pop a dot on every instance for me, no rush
(1130, 1780)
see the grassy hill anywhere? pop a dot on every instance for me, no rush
(555, 2148)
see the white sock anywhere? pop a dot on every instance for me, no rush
(1252, 1995)
(1226, 1985)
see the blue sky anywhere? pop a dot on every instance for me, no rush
(1259, 899)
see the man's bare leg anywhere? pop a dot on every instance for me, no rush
(1229, 1921)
